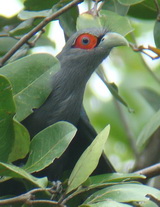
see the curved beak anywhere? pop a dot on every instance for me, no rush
(112, 39)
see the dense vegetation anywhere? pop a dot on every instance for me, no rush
(131, 108)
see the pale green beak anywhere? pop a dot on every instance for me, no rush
(113, 39)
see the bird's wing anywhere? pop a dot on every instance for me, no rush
(87, 132)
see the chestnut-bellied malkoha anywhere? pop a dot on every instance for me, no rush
(79, 58)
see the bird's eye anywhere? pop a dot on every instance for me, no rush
(86, 41)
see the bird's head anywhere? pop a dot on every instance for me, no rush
(87, 48)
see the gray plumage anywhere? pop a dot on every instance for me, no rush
(65, 100)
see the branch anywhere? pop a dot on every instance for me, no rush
(39, 27)
(151, 48)
(142, 49)
(151, 171)
(157, 6)
(29, 199)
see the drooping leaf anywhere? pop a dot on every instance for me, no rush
(21, 143)
(48, 145)
(112, 87)
(88, 160)
(31, 80)
(17, 172)
(151, 126)
(7, 111)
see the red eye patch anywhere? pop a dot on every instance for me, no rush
(86, 41)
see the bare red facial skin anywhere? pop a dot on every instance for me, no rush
(86, 41)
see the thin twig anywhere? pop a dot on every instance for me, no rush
(24, 198)
(39, 27)
(134, 47)
(151, 171)
(157, 6)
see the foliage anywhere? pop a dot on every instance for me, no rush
(25, 85)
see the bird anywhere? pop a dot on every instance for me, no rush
(82, 54)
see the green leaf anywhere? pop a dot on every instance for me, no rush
(143, 11)
(156, 33)
(151, 5)
(88, 160)
(115, 22)
(6, 43)
(16, 172)
(151, 126)
(86, 20)
(7, 111)
(151, 96)
(123, 193)
(68, 21)
(31, 81)
(98, 180)
(115, 6)
(24, 15)
(107, 203)
(112, 87)
(42, 152)
(21, 143)
(38, 5)
(22, 28)
(129, 2)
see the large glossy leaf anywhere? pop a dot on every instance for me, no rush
(16, 172)
(48, 145)
(7, 111)
(123, 193)
(88, 160)
(31, 80)
(151, 126)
